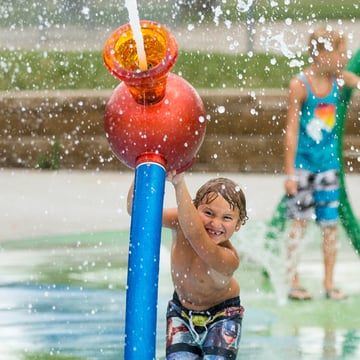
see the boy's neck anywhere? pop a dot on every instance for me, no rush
(316, 72)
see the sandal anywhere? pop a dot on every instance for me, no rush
(335, 294)
(299, 294)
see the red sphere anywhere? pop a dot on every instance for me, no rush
(173, 128)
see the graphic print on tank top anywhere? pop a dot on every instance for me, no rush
(323, 120)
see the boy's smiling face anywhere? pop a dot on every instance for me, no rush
(219, 219)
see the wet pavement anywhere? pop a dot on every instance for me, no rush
(36, 315)
(43, 203)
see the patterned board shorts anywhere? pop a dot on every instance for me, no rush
(316, 191)
(212, 335)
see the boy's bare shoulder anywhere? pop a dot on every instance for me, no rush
(296, 82)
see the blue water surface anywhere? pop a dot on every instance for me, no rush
(89, 323)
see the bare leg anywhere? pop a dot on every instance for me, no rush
(329, 248)
(297, 232)
(329, 252)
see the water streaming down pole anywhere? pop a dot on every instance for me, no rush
(154, 122)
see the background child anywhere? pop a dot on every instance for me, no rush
(206, 298)
(311, 152)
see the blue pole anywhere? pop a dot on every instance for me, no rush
(143, 265)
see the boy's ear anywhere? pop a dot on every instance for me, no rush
(238, 225)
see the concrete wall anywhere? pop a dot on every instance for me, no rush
(245, 131)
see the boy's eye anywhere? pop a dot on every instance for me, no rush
(229, 218)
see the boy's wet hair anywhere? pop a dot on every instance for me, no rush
(228, 189)
(324, 38)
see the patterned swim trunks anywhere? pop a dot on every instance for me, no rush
(319, 191)
(211, 334)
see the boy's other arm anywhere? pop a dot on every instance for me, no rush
(130, 198)
(169, 218)
(351, 80)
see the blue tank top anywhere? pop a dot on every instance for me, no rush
(317, 148)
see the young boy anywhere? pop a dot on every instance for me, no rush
(204, 317)
(311, 152)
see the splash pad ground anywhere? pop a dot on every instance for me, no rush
(63, 264)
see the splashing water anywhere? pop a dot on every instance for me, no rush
(244, 6)
(280, 42)
(270, 255)
(134, 19)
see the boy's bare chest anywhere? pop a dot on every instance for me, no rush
(188, 265)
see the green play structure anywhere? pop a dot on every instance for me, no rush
(347, 217)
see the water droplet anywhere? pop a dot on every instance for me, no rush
(220, 109)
